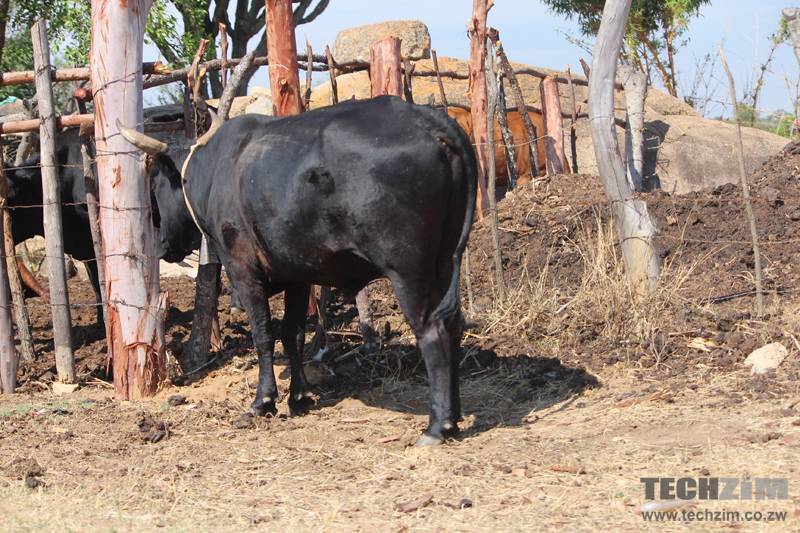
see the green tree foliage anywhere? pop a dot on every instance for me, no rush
(655, 31)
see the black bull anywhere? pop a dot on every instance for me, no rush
(338, 196)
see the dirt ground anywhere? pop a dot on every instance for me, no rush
(571, 393)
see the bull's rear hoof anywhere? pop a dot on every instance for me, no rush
(298, 407)
(428, 440)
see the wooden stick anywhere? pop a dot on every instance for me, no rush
(307, 97)
(573, 133)
(491, 92)
(188, 112)
(93, 208)
(439, 79)
(195, 77)
(746, 190)
(54, 243)
(331, 65)
(13, 272)
(585, 67)
(223, 43)
(533, 144)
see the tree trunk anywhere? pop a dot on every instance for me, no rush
(284, 78)
(793, 22)
(477, 92)
(635, 83)
(635, 227)
(553, 125)
(51, 197)
(136, 307)
(385, 75)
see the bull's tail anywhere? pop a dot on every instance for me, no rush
(449, 309)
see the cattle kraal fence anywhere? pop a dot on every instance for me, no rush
(157, 75)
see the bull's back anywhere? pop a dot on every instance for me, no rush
(319, 189)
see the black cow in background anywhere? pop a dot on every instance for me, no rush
(338, 196)
(25, 199)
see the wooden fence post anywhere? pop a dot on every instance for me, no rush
(635, 227)
(477, 91)
(553, 125)
(284, 78)
(635, 83)
(385, 73)
(51, 195)
(136, 307)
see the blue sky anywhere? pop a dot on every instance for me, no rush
(530, 35)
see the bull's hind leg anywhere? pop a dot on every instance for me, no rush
(293, 336)
(256, 303)
(418, 299)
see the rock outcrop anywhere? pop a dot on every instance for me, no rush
(354, 43)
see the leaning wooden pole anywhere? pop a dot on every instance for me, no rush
(9, 359)
(136, 307)
(748, 203)
(51, 196)
(516, 91)
(477, 94)
(491, 92)
(93, 209)
(635, 227)
(13, 270)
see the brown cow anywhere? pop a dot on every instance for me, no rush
(464, 119)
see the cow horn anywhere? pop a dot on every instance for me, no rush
(141, 141)
(215, 124)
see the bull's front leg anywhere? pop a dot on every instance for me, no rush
(293, 336)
